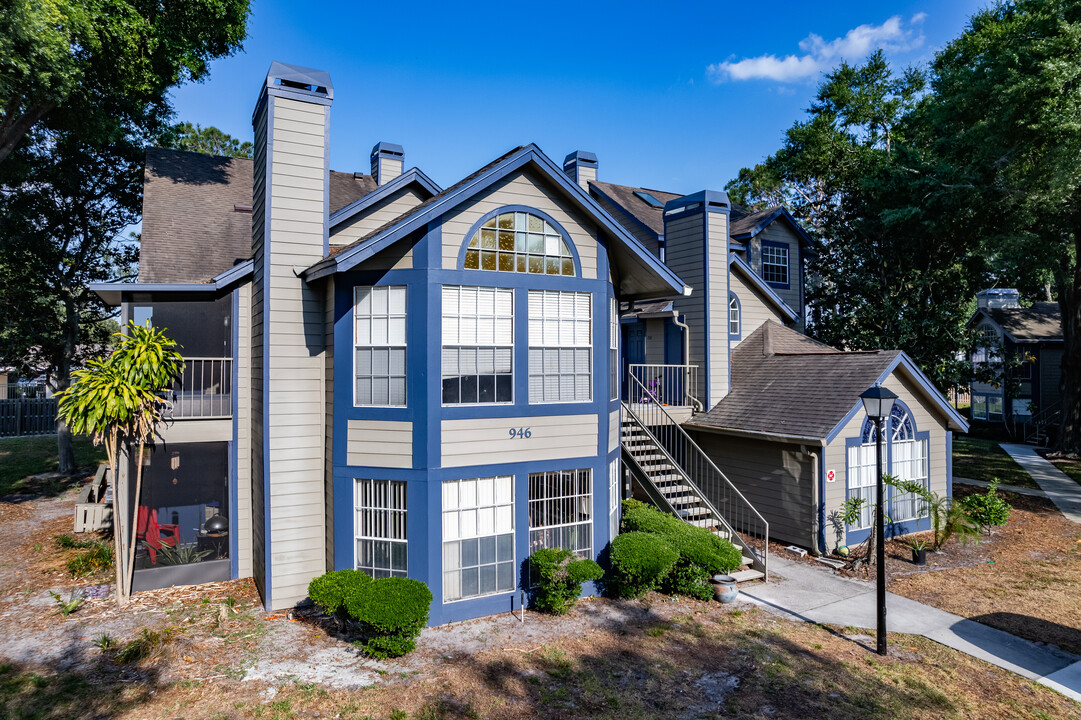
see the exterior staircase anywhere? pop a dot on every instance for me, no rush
(1038, 427)
(679, 478)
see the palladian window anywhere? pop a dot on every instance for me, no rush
(519, 242)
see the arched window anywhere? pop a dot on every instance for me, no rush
(733, 315)
(907, 460)
(519, 242)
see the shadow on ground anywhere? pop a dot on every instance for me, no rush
(1034, 629)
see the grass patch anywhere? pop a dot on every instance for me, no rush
(981, 459)
(1072, 468)
(24, 456)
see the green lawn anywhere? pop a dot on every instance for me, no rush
(981, 459)
(23, 456)
(1070, 467)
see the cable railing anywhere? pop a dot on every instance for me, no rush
(729, 507)
(672, 385)
(204, 390)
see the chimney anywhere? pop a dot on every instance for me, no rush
(289, 232)
(388, 162)
(998, 298)
(581, 167)
(696, 247)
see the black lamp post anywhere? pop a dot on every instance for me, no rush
(878, 402)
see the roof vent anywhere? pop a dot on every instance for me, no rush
(237, 207)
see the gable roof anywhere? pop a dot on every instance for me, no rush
(642, 276)
(1041, 321)
(771, 394)
(760, 285)
(744, 224)
(197, 213)
(409, 177)
(649, 217)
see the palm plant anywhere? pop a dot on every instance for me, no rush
(118, 402)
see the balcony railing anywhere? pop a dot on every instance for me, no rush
(669, 385)
(205, 389)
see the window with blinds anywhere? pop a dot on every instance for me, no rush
(560, 346)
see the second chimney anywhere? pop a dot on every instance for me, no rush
(581, 167)
(388, 162)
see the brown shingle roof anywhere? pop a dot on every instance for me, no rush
(743, 223)
(785, 383)
(1042, 321)
(651, 217)
(192, 229)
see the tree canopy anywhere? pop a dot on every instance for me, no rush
(210, 141)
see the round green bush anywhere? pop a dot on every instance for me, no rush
(987, 508)
(639, 562)
(391, 612)
(560, 574)
(695, 545)
(329, 591)
(690, 580)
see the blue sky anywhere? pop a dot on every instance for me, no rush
(671, 96)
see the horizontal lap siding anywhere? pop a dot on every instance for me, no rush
(380, 443)
(375, 217)
(779, 232)
(520, 189)
(487, 441)
(718, 304)
(258, 295)
(683, 254)
(1050, 375)
(295, 346)
(753, 307)
(776, 479)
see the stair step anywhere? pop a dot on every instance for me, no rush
(745, 561)
(746, 575)
(707, 522)
(721, 533)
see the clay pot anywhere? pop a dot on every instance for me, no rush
(725, 588)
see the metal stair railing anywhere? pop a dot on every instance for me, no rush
(1036, 426)
(730, 508)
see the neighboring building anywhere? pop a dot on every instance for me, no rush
(410, 380)
(1027, 341)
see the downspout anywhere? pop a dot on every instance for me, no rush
(686, 352)
(815, 503)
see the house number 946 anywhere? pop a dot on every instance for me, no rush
(522, 433)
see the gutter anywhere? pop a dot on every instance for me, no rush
(758, 435)
(686, 350)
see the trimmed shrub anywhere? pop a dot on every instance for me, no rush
(391, 612)
(640, 561)
(329, 591)
(695, 545)
(987, 508)
(690, 580)
(560, 574)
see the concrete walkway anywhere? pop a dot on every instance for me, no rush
(1059, 487)
(804, 592)
(1008, 488)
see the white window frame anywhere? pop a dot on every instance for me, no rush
(380, 330)
(487, 336)
(613, 499)
(380, 516)
(771, 258)
(478, 509)
(555, 335)
(519, 241)
(908, 461)
(733, 316)
(994, 401)
(613, 348)
(860, 476)
(979, 406)
(560, 507)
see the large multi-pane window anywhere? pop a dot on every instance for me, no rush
(613, 348)
(560, 345)
(861, 480)
(561, 510)
(379, 338)
(613, 498)
(478, 537)
(775, 263)
(908, 461)
(478, 345)
(519, 242)
(382, 547)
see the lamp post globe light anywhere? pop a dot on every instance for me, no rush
(878, 403)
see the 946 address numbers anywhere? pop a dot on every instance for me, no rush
(522, 433)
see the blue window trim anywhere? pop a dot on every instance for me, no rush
(904, 527)
(788, 265)
(739, 309)
(526, 209)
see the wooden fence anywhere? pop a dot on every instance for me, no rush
(27, 416)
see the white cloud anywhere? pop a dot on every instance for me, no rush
(894, 35)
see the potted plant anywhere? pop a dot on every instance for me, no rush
(919, 552)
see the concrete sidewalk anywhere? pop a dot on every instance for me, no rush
(811, 594)
(1059, 487)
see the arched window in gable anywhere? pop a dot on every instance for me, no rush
(519, 241)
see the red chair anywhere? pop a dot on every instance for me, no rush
(152, 534)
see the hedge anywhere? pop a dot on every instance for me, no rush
(640, 561)
(695, 545)
(329, 591)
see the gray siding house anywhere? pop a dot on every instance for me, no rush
(388, 375)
